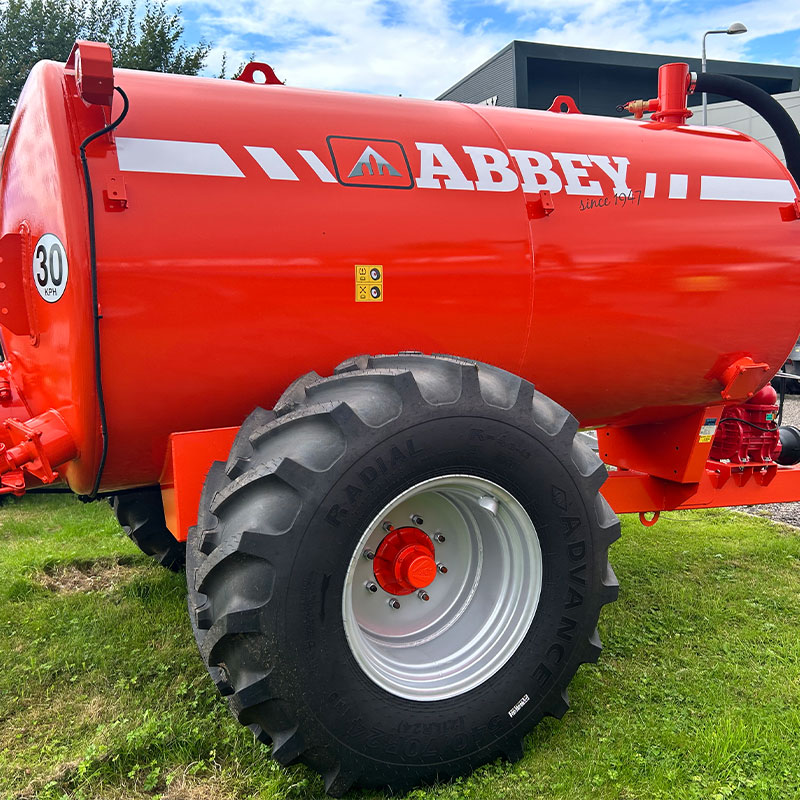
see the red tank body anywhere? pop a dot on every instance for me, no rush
(620, 265)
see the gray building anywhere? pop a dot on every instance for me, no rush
(530, 75)
(735, 115)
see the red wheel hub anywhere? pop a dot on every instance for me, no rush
(404, 562)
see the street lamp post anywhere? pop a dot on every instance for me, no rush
(737, 27)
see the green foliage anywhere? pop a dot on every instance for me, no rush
(32, 30)
(696, 697)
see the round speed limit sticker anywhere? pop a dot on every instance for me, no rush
(50, 268)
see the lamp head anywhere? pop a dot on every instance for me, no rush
(737, 27)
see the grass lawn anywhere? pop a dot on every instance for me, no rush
(102, 694)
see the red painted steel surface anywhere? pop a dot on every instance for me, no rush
(189, 456)
(675, 449)
(635, 492)
(714, 485)
(217, 290)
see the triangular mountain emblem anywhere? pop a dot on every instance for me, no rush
(364, 165)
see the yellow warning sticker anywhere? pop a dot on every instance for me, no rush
(707, 430)
(369, 283)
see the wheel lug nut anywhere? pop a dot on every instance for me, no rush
(423, 595)
(371, 587)
(394, 603)
(417, 519)
(387, 526)
(439, 537)
(369, 555)
(441, 567)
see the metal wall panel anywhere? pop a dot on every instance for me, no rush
(491, 84)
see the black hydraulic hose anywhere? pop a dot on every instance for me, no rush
(764, 104)
(747, 422)
(98, 377)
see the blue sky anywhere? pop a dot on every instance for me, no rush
(421, 47)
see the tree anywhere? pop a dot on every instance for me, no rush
(32, 30)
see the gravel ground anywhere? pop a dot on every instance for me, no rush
(788, 513)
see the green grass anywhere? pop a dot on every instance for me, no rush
(102, 694)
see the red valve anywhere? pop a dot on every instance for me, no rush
(404, 562)
(674, 84)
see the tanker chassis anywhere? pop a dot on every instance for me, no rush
(395, 563)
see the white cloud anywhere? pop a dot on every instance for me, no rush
(421, 47)
(659, 27)
(352, 45)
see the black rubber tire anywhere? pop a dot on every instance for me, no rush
(277, 528)
(141, 514)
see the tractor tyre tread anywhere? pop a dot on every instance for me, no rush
(141, 515)
(255, 504)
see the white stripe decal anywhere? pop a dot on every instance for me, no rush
(312, 159)
(678, 187)
(269, 160)
(650, 184)
(757, 190)
(177, 158)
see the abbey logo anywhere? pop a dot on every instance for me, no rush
(379, 163)
(384, 164)
(370, 162)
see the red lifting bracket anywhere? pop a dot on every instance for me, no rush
(675, 84)
(259, 72)
(564, 101)
(94, 71)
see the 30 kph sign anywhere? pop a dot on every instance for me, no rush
(50, 268)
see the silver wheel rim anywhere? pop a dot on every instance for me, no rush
(478, 611)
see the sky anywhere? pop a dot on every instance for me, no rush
(420, 48)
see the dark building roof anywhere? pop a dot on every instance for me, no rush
(530, 75)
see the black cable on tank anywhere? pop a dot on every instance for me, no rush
(764, 104)
(98, 376)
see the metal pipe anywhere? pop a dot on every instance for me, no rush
(731, 30)
(703, 69)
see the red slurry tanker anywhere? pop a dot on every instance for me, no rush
(395, 563)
